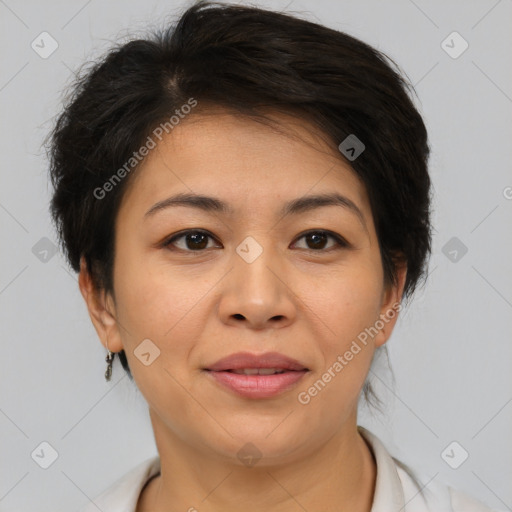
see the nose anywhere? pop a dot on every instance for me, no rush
(256, 294)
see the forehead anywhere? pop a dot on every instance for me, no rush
(244, 162)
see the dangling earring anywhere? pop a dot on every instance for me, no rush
(109, 359)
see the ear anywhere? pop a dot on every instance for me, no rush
(390, 306)
(101, 310)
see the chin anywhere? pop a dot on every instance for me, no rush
(268, 442)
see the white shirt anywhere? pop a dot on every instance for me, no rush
(395, 488)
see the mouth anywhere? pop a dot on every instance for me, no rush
(258, 371)
(257, 383)
(257, 376)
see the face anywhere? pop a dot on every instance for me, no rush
(204, 283)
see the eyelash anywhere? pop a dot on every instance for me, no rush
(341, 243)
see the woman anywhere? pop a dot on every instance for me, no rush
(246, 199)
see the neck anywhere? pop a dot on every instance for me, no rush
(337, 476)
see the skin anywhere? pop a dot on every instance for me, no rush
(198, 306)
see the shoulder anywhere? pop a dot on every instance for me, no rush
(428, 495)
(463, 502)
(123, 494)
(398, 487)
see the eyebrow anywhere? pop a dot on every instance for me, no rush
(294, 207)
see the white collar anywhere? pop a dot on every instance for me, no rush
(389, 492)
(396, 490)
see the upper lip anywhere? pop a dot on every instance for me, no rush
(242, 360)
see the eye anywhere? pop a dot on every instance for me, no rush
(318, 240)
(197, 241)
(194, 241)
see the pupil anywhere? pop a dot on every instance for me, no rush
(320, 240)
(195, 237)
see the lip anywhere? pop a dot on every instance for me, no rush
(242, 360)
(257, 386)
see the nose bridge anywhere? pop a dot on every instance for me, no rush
(253, 261)
(255, 292)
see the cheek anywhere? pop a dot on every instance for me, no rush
(163, 308)
(166, 306)
(157, 303)
(349, 308)
(151, 295)
(332, 393)
(347, 303)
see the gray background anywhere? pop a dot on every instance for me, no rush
(451, 350)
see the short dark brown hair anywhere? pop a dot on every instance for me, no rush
(248, 60)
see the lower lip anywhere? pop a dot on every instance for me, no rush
(258, 386)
